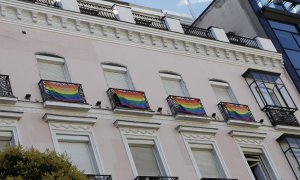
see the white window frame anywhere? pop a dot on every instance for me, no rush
(146, 131)
(252, 140)
(225, 85)
(72, 126)
(14, 140)
(191, 138)
(118, 69)
(54, 60)
(9, 123)
(174, 77)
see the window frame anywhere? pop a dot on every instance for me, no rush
(53, 59)
(167, 75)
(117, 68)
(225, 85)
(14, 140)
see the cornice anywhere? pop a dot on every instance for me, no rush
(72, 23)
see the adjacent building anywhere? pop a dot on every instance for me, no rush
(133, 93)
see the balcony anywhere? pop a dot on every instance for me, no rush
(129, 102)
(95, 9)
(184, 108)
(149, 21)
(237, 114)
(243, 41)
(6, 94)
(51, 3)
(63, 95)
(194, 31)
(99, 177)
(155, 178)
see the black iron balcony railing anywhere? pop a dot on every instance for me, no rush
(155, 178)
(5, 87)
(62, 92)
(95, 9)
(281, 115)
(149, 21)
(233, 111)
(99, 177)
(187, 106)
(216, 179)
(194, 31)
(243, 41)
(291, 6)
(52, 3)
(128, 99)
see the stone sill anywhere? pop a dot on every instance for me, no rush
(72, 119)
(134, 112)
(67, 106)
(204, 119)
(287, 128)
(243, 123)
(8, 100)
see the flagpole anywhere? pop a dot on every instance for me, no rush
(189, 5)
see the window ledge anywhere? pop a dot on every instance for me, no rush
(134, 112)
(287, 128)
(243, 123)
(69, 106)
(11, 114)
(204, 119)
(245, 134)
(8, 100)
(121, 123)
(72, 119)
(195, 129)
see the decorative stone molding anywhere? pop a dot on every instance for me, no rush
(197, 133)
(14, 115)
(288, 129)
(243, 123)
(8, 100)
(137, 128)
(56, 20)
(202, 119)
(71, 119)
(68, 106)
(70, 126)
(244, 137)
(134, 112)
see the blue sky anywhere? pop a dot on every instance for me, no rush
(173, 5)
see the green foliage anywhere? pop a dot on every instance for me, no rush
(17, 163)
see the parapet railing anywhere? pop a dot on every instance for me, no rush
(96, 9)
(243, 41)
(194, 31)
(149, 21)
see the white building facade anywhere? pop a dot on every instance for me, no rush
(131, 93)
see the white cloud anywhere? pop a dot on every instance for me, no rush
(182, 2)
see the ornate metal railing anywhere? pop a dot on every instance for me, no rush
(281, 115)
(195, 31)
(128, 99)
(5, 87)
(149, 21)
(243, 41)
(95, 9)
(99, 177)
(233, 111)
(185, 105)
(52, 3)
(62, 91)
(155, 178)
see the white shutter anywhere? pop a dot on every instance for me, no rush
(173, 87)
(4, 144)
(116, 79)
(145, 161)
(206, 163)
(79, 152)
(222, 94)
(52, 71)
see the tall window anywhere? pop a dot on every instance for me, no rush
(146, 158)
(117, 76)
(6, 139)
(79, 149)
(222, 91)
(174, 84)
(289, 38)
(207, 161)
(52, 68)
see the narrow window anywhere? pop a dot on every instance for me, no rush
(146, 158)
(174, 84)
(79, 149)
(117, 77)
(222, 91)
(6, 139)
(206, 160)
(52, 68)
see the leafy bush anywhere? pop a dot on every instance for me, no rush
(17, 163)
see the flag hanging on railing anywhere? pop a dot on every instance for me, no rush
(237, 111)
(132, 99)
(189, 106)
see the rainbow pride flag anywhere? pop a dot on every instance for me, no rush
(63, 92)
(189, 106)
(132, 99)
(240, 112)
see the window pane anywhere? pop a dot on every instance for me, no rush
(293, 161)
(116, 80)
(4, 144)
(79, 152)
(283, 26)
(294, 57)
(145, 161)
(174, 87)
(54, 72)
(286, 40)
(297, 37)
(206, 163)
(223, 94)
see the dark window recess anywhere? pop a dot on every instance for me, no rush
(272, 96)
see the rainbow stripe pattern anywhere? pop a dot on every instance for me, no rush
(189, 106)
(237, 111)
(63, 92)
(131, 99)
